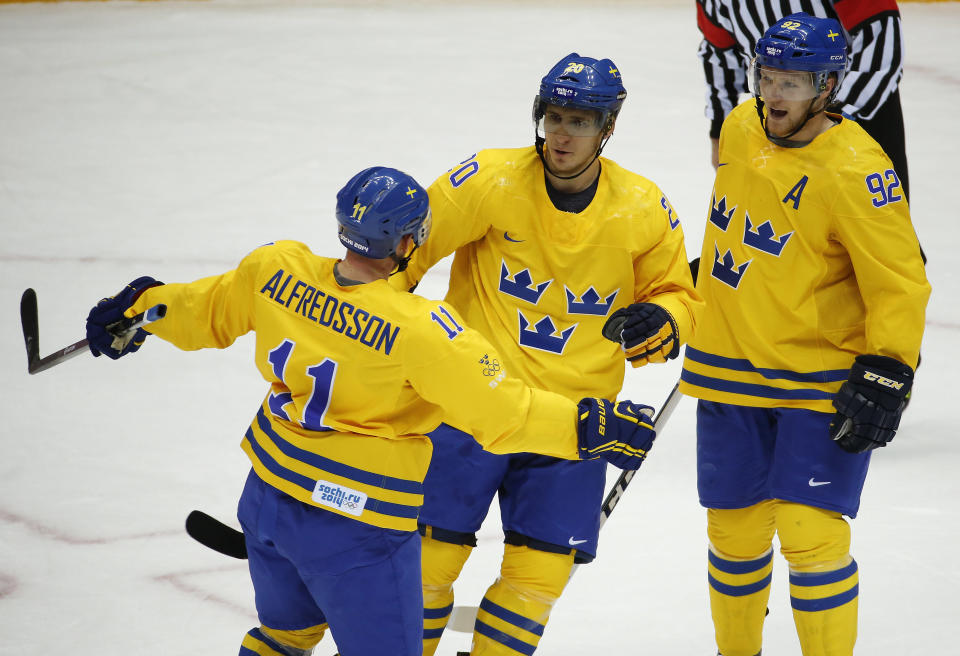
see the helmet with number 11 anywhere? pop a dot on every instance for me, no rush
(800, 58)
(377, 209)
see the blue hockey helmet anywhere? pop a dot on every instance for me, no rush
(806, 44)
(585, 83)
(377, 208)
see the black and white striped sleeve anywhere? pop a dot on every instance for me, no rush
(876, 64)
(724, 64)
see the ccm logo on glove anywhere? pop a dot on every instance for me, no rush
(870, 403)
(886, 382)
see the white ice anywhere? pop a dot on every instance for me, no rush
(171, 138)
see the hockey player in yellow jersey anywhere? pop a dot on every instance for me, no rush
(358, 373)
(551, 241)
(815, 298)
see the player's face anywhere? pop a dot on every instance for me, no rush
(571, 136)
(785, 116)
(788, 97)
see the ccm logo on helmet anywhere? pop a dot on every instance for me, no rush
(886, 382)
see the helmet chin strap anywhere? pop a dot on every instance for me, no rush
(539, 141)
(785, 140)
(402, 262)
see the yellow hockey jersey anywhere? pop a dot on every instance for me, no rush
(538, 282)
(809, 259)
(357, 375)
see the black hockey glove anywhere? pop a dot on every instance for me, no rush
(870, 403)
(105, 316)
(646, 332)
(622, 434)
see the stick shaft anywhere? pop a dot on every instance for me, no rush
(30, 323)
(462, 618)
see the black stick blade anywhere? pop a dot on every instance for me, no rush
(31, 326)
(216, 535)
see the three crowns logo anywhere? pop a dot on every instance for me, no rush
(763, 238)
(543, 336)
(522, 285)
(719, 216)
(589, 302)
(726, 270)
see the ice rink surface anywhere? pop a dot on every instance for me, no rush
(171, 138)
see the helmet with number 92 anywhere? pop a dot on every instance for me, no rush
(377, 208)
(794, 60)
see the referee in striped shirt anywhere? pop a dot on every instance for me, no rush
(869, 92)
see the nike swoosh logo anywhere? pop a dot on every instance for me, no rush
(813, 483)
(722, 164)
(506, 235)
(574, 543)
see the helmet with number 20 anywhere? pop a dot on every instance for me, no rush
(584, 83)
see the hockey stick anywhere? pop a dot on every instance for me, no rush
(463, 618)
(616, 492)
(31, 333)
(212, 533)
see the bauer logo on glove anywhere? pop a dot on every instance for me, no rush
(622, 434)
